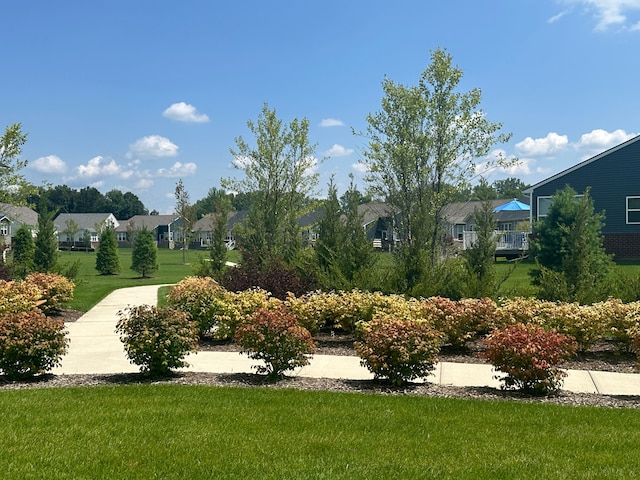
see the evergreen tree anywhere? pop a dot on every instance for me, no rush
(330, 237)
(23, 251)
(479, 258)
(107, 260)
(46, 246)
(218, 247)
(144, 257)
(568, 247)
(357, 252)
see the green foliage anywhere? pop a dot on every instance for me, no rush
(529, 355)
(187, 217)
(275, 337)
(509, 187)
(46, 246)
(144, 257)
(14, 188)
(56, 290)
(421, 150)
(30, 343)
(277, 173)
(568, 247)
(397, 349)
(107, 259)
(202, 298)
(479, 257)
(23, 249)
(157, 339)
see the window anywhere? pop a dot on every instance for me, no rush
(543, 206)
(633, 209)
(4, 229)
(459, 231)
(122, 236)
(94, 237)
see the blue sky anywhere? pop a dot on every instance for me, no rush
(137, 94)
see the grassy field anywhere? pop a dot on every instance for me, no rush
(171, 431)
(92, 287)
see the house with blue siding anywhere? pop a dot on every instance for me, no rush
(614, 179)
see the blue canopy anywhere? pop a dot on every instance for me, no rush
(511, 206)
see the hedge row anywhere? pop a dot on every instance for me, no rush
(219, 312)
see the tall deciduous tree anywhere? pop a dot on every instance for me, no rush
(14, 188)
(107, 259)
(509, 187)
(279, 171)
(185, 210)
(144, 256)
(423, 144)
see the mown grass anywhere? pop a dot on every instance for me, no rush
(171, 431)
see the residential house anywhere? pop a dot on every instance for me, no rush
(203, 230)
(12, 217)
(614, 179)
(165, 229)
(512, 225)
(82, 230)
(378, 221)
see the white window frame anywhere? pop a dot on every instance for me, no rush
(4, 228)
(545, 197)
(628, 210)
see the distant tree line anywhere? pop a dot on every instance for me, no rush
(63, 199)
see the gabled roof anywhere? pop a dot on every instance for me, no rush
(148, 221)
(24, 215)
(372, 211)
(85, 221)
(459, 212)
(582, 164)
(205, 223)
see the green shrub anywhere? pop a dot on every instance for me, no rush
(30, 343)
(56, 290)
(453, 319)
(200, 297)
(157, 339)
(397, 349)
(275, 337)
(530, 356)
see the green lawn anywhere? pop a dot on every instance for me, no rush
(173, 431)
(92, 287)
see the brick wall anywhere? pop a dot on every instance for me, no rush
(623, 245)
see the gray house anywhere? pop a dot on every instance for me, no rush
(165, 229)
(81, 230)
(614, 178)
(12, 217)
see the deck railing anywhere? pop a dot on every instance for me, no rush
(505, 240)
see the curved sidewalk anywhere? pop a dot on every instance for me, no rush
(96, 349)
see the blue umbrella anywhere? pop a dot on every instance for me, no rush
(513, 205)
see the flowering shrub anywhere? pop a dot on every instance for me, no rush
(398, 349)
(30, 343)
(275, 337)
(455, 319)
(19, 297)
(312, 310)
(157, 339)
(530, 356)
(200, 297)
(634, 335)
(618, 319)
(56, 290)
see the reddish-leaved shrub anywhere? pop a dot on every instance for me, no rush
(275, 337)
(530, 356)
(397, 349)
(157, 338)
(30, 343)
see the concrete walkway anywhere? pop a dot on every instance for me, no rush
(96, 349)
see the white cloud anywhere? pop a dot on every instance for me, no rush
(338, 151)
(557, 17)
(98, 166)
(178, 169)
(609, 13)
(183, 112)
(144, 183)
(49, 164)
(241, 162)
(546, 146)
(602, 140)
(331, 122)
(152, 146)
(360, 167)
